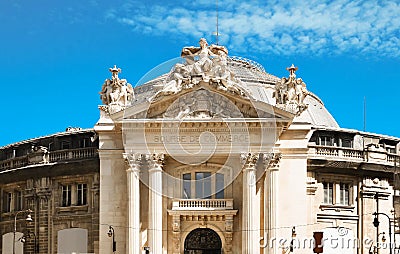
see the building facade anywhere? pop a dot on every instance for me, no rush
(216, 156)
(55, 180)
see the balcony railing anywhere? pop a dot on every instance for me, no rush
(51, 157)
(343, 153)
(202, 204)
(73, 154)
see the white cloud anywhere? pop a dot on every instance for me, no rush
(280, 27)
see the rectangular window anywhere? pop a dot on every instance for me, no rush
(344, 194)
(18, 205)
(65, 145)
(391, 150)
(82, 194)
(84, 143)
(203, 185)
(7, 200)
(219, 185)
(328, 193)
(187, 186)
(325, 141)
(345, 142)
(66, 195)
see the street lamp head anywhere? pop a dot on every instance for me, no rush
(376, 222)
(294, 232)
(383, 237)
(110, 231)
(28, 218)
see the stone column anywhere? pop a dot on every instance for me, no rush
(250, 229)
(133, 171)
(155, 202)
(271, 162)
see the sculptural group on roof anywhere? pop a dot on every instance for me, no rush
(290, 92)
(202, 64)
(116, 92)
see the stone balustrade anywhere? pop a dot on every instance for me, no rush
(344, 153)
(202, 204)
(51, 157)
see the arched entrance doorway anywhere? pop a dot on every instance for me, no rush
(203, 241)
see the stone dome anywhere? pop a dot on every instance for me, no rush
(261, 85)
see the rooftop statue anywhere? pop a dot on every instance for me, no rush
(207, 64)
(116, 93)
(290, 92)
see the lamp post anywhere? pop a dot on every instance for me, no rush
(28, 219)
(111, 233)
(292, 241)
(35, 242)
(374, 249)
(390, 228)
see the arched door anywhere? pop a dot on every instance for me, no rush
(203, 241)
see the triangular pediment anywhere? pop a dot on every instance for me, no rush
(204, 102)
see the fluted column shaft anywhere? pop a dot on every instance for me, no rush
(155, 203)
(271, 164)
(250, 244)
(134, 165)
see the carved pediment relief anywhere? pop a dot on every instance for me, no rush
(203, 104)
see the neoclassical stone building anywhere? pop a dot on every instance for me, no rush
(218, 156)
(215, 156)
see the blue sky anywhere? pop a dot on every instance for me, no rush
(55, 55)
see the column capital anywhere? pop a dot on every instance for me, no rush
(271, 160)
(155, 160)
(249, 160)
(133, 160)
